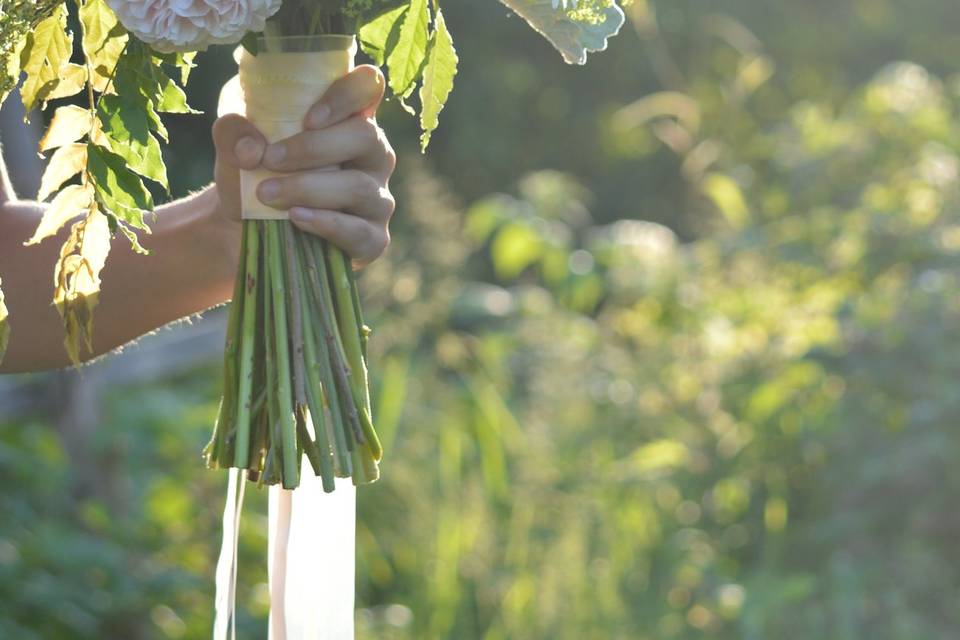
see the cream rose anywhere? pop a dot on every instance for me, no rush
(192, 25)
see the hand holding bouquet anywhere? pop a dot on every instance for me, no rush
(295, 374)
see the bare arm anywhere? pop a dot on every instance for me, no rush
(194, 251)
(195, 241)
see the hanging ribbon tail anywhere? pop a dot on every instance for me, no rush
(225, 619)
(312, 551)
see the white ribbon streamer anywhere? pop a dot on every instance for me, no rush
(311, 545)
(225, 620)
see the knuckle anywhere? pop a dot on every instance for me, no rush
(388, 202)
(391, 159)
(369, 132)
(364, 186)
(377, 241)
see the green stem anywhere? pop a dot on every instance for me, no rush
(217, 451)
(288, 434)
(338, 359)
(350, 334)
(321, 425)
(355, 296)
(317, 280)
(250, 287)
(271, 443)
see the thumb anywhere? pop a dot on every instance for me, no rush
(239, 145)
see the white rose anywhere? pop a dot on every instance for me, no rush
(192, 25)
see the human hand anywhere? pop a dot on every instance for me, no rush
(338, 168)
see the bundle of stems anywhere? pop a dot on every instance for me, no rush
(295, 372)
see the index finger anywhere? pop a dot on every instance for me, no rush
(357, 93)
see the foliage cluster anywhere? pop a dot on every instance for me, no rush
(741, 427)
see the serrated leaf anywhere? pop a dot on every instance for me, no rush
(572, 38)
(406, 59)
(170, 98)
(127, 128)
(156, 124)
(104, 40)
(73, 78)
(73, 201)
(378, 36)
(133, 238)
(66, 162)
(118, 190)
(184, 60)
(77, 279)
(47, 50)
(69, 124)
(438, 78)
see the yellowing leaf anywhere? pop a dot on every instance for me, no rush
(69, 124)
(104, 39)
(66, 162)
(47, 50)
(78, 280)
(437, 79)
(73, 78)
(70, 203)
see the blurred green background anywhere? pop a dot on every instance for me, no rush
(665, 347)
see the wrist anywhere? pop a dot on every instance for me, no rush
(213, 240)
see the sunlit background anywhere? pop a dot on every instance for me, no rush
(665, 347)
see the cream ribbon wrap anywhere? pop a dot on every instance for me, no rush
(311, 533)
(278, 91)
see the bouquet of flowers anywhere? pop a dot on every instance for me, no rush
(292, 386)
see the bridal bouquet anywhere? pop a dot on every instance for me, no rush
(295, 358)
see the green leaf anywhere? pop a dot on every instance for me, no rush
(378, 36)
(170, 98)
(104, 40)
(66, 162)
(406, 59)
(69, 124)
(118, 190)
(77, 279)
(437, 79)
(127, 127)
(47, 50)
(70, 203)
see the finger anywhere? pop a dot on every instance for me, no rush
(357, 142)
(362, 240)
(238, 142)
(344, 190)
(358, 92)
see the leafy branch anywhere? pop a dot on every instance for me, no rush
(103, 151)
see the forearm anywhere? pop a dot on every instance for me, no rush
(193, 257)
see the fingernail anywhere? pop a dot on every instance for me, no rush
(299, 214)
(248, 151)
(269, 189)
(275, 154)
(318, 116)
